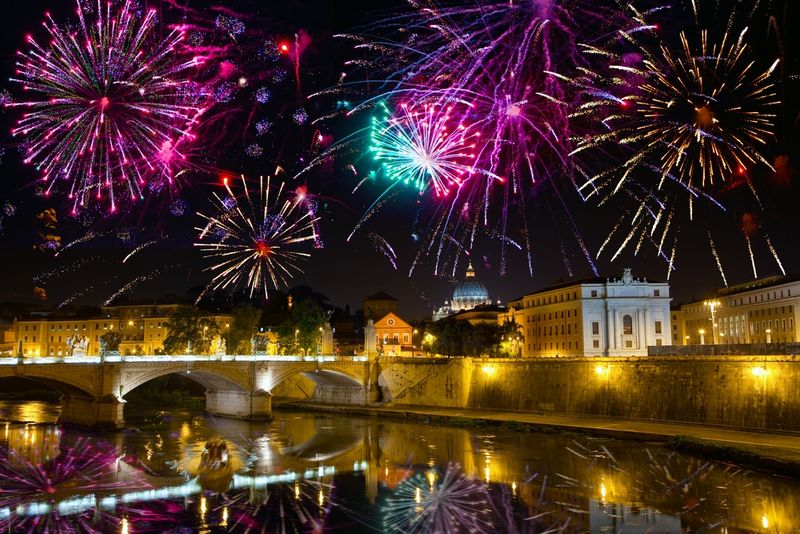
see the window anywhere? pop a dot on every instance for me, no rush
(656, 292)
(658, 342)
(658, 327)
(594, 292)
(595, 328)
(595, 343)
(629, 344)
(405, 338)
(627, 325)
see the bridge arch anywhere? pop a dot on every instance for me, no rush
(210, 378)
(81, 382)
(343, 377)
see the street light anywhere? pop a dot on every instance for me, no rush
(713, 305)
(769, 335)
(686, 340)
(702, 333)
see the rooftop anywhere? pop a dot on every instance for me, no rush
(380, 295)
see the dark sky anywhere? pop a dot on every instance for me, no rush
(348, 271)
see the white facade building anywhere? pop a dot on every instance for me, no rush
(594, 317)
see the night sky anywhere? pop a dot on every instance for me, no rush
(346, 272)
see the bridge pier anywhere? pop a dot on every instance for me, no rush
(255, 405)
(84, 411)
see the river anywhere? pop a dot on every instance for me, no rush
(179, 471)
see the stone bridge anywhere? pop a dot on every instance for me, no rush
(94, 390)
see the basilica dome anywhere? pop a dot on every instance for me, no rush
(469, 293)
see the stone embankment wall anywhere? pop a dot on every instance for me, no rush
(749, 392)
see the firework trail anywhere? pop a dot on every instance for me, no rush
(83, 239)
(383, 246)
(775, 255)
(108, 110)
(139, 249)
(130, 285)
(253, 238)
(716, 258)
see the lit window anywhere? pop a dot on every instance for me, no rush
(627, 325)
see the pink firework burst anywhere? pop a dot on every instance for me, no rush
(109, 104)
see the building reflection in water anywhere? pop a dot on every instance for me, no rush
(306, 471)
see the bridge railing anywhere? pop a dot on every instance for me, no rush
(116, 358)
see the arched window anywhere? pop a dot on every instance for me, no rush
(627, 325)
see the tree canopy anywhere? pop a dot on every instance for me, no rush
(243, 327)
(190, 328)
(451, 337)
(301, 331)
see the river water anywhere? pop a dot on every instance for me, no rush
(177, 471)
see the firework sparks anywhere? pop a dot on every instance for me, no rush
(424, 147)
(105, 111)
(684, 120)
(452, 502)
(253, 242)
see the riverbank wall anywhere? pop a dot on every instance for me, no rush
(742, 392)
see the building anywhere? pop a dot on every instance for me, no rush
(143, 329)
(468, 294)
(395, 337)
(759, 311)
(378, 305)
(483, 314)
(593, 317)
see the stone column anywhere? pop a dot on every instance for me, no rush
(370, 339)
(106, 412)
(327, 339)
(372, 392)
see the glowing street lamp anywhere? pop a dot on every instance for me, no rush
(769, 335)
(702, 333)
(713, 305)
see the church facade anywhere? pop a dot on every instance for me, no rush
(593, 317)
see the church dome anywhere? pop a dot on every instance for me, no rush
(469, 293)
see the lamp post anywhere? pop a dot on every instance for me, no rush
(769, 335)
(713, 305)
(686, 340)
(702, 333)
(296, 332)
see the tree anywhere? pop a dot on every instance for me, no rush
(301, 331)
(451, 337)
(110, 341)
(192, 328)
(243, 327)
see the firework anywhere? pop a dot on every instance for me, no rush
(451, 502)
(255, 242)
(485, 64)
(684, 121)
(701, 114)
(25, 483)
(424, 147)
(105, 110)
